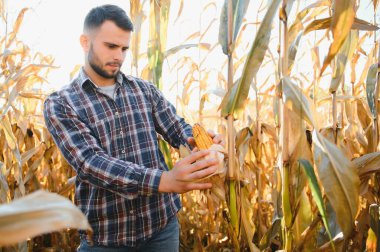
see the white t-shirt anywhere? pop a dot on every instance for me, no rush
(108, 90)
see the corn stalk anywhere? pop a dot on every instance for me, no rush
(231, 129)
(283, 154)
(138, 17)
(158, 26)
(375, 129)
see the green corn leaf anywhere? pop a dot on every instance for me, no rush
(340, 181)
(317, 194)
(239, 8)
(371, 87)
(233, 101)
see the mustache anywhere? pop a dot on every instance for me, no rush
(114, 63)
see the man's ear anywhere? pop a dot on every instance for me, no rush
(85, 42)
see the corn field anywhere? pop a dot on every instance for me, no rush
(292, 85)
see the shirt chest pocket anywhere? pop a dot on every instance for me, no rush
(141, 111)
(102, 129)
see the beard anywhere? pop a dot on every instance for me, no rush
(95, 64)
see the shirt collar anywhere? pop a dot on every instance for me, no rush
(83, 79)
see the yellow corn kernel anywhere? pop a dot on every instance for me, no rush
(202, 138)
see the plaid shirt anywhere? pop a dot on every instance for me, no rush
(112, 145)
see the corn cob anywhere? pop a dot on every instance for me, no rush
(201, 137)
(204, 141)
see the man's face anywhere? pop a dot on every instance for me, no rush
(108, 47)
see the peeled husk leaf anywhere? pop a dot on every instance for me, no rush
(217, 152)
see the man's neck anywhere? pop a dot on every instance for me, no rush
(97, 79)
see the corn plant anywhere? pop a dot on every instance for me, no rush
(299, 83)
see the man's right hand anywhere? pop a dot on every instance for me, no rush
(182, 178)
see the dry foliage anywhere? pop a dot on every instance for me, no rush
(305, 154)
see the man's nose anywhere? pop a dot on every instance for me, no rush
(118, 55)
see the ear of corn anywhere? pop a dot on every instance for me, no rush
(202, 138)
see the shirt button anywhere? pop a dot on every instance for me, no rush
(123, 151)
(121, 132)
(131, 211)
(116, 113)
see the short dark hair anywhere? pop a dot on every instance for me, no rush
(98, 15)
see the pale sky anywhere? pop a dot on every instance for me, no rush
(54, 26)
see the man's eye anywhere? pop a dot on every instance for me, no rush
(111, 46)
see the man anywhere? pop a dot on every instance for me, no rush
(106, 125)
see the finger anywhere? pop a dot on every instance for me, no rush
(202, 164)
(191, 141)
(194, 157)
(217, 139)
(211, 133)
(203, 173)
(223, 143)
(195, 149)
(199, 186)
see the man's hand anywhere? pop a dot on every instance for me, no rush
(182, 178)
(216, 138)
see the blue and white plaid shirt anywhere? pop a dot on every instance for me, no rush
(112, 145)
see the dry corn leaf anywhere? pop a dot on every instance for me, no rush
(70, 184)
(340, 181)
(375, 2)
(342, 20)
(32, 169)
(180, 9)
(205, 31)
(233, 102)
(272, 232)
(242, 145)
(344, 55)
(16, 27)
(297, 25)
(75, 71)
(38, 213)
(30, 153)
(292, 51)
(158, 23)
(138, 17)
(4, 188)
(296, 101)
(175, 49)
(364, 114)
(248, 227)
(9, 136)
(325, 23)
(367, 164)
(30, 95)
(2, 11)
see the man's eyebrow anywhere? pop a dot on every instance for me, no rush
(112, 44)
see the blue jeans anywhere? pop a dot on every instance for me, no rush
(165, 240)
